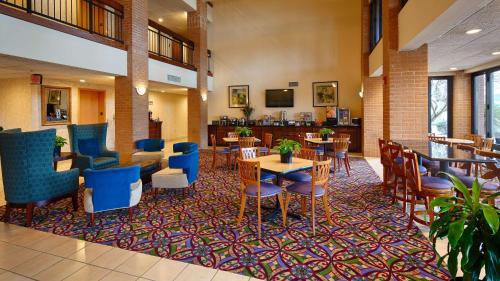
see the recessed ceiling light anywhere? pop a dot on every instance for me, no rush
(163, 91)
(496, 53)
(473, 31)
(82, 81)
(453, 68)
(160, 20)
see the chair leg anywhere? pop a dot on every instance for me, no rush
(287, 201)
(74, 200)
(258, 218)
(412, 210)
(327, 208)
(430, 211)
(405, 194)
(348, 160)
(29, 214)
(130, 214)
(282, 207)
(303, 205)
(346, 167)
(395, 190)
(313, 215)
(228, 159)
(213, 160)
(242, 208)
(6, 216)
(92, 218)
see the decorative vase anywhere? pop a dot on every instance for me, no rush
(57, 151)
(324, 137)
(286, 158)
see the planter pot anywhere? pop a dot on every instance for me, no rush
(57, 151)
(324, 137)
(286, 158)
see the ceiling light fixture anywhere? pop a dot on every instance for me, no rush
(160, 19)
(453, 68)
(82, 81)
(496, 53)
(473, 31)
(163, 91)
(141, 90)
(334, 85)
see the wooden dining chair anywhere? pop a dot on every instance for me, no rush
(488, 175)
(435, 138)
(426, 188)
(341, 154)
(233, 135)
(319, 148)
(248, 153)
(267, 144)
(385, 160)
(252, 186)
(342, 136)
(318, 187)
(396, 152)
(216, 152)
(478, 141)
(487, 144)
(304, 153)
(464, 168)
(243, 142)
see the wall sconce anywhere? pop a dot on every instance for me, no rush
(204, 97)
(361, 92)
(141, 90)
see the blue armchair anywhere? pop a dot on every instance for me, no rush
(112, 189)
(29, 178)
(89, 144)
(185, 147)
(182, 171)
(149, 149)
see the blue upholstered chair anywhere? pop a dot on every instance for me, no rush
(185, 147)
(29, 178)
(111, 189)
(182, 171)
(149, 149)
(89, 144)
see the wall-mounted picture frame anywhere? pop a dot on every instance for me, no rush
(56, 106)
(325, 94)
(239, 96)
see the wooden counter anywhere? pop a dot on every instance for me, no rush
(290, 132)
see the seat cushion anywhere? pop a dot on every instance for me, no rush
(146, 155)
(135, 197)
(265, 176)
(422, 169)
(104, 162)
(263, 149)
(266, 190)
(299, 177)
(436, 183)
(305, 188)
(169, 178)
(458, 172)
(340, 155)
(89, 147)
(226, 150)
(489, 186)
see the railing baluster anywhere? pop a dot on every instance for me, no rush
(91, 17)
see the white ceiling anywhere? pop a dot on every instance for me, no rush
(457, 49)
(173, 13)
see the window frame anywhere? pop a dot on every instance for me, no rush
(489, 100)
(375, 23)
(449, 98)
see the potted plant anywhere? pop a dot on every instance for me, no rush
(471, 226)
(286, 148)
(60, 142)
(247, 111)
(325, 133)
(243, 131)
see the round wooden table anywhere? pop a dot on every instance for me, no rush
(459, 141)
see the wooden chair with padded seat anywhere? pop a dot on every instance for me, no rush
(243, 142)
(341, 154)
(466, 168)
(252, 186)
(318, 187)
(215, 152)
(385, 160)
(304, 153)
(427, 188)
(247, 153)
(319, 148)
(267, 144)
(487, 144)
(478, 141)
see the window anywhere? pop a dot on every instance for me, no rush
(486, 103)
(375, 22)
(440, 105)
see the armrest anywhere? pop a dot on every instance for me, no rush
(66, 181)
(178, 161)
(83, 162)
(109, 153)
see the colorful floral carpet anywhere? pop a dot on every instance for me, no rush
(368, 239)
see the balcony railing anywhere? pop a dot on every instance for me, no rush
(164, 44)
(93, 16)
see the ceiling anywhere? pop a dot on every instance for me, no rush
(173, 13)
(457, 49)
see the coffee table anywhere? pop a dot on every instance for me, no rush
(148, 168)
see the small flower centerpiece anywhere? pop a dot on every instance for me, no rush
(286, 148)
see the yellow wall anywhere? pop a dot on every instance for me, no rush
(171, 108)
(266, 44)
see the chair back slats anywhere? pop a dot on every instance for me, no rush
(249, 172)
(342, 136)
(232, 135)
(268, 140)
(247, 153)
(487, 144)
(245, 142)
(385, 155)
(413, 179)
(478, 141)
(320, 172)
(312, 135)
(341, 144)
(395, 151)
(307, 153)
(490, 170)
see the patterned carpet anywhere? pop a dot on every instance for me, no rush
(367, 241)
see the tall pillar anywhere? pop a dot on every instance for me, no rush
(131, 109)
(405, 98)
(197, 108)
(462, 104)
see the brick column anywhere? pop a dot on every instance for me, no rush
(197, 108)
(131, 109)
(406, 82)
(462, 104)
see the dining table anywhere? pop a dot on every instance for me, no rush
(453, 141)
(272, 164)
(443, 153)
(235, 140)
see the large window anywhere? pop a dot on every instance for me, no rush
(440, 105)
(375, 22)
(486, 103)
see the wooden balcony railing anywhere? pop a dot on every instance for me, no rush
(102, 17)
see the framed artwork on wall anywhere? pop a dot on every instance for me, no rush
(326, 94)
(56, 105)
(239, 96)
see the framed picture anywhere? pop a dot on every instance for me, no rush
(239, 96)
(54, 96)
(326, 94)
(56, 105)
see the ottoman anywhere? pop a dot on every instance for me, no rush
(169, 178)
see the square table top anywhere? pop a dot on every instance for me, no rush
(442, 152)
(233, 140)
(272, 163)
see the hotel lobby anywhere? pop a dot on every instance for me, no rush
(168, 140)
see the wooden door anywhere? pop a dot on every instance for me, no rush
(92, 107)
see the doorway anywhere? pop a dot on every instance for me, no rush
(92, 109)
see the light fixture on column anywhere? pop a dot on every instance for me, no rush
(141, 90)
(361, 92)
(204, 96)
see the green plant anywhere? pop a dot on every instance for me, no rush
(243, 131)
(60, 141)
(325, 131)
(471, 226)
(1, 128)
(247, 111)
(286, 146)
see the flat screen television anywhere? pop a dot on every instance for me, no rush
(279, 98)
